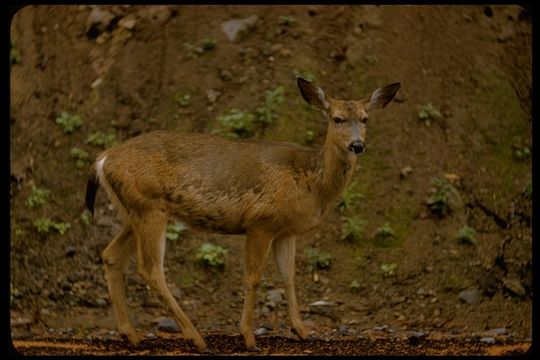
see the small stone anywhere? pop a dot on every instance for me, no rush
(322, 303)
(276, 48)
(275, 295)
(101, 302)
(470, 296)
(150, 335)
(70, 251)
(96, 83)
(514, 286)
(97, 22)
(498, 331)
(261, 331)
(344, 329)
(487, 340)
(168, 325)
(225, 75)
(236, 28)
(212, 95)
(127, 24)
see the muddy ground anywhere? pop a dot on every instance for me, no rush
(403, 274)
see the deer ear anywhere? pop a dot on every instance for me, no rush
(312, 94)
(382, 96)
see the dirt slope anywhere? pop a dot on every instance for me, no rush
(133, 69)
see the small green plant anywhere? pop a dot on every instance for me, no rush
(80, 156)
(318, 259)
(44, 225)
(101, 139)
(522, 152)
(349, 197)
(527, 192)
(428, 113)
(309, 137)
(266, 113)
(388, 269)
(467, 235)
(438, 201)
(208, 44)
(237, 123)
(175, 231)
(304, 74)
(38, 197)
(385, 231)
(212, 255)
(69, 122)
(352, 228)
(287, 20)
(182, 99)
(14, 293)
(14, 56)
(86, 217)
(354, 286)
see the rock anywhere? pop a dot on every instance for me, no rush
(261, 331)
(323, 303)
(514, 286)
(497, 331)
(506, 33)
(150, 335)
(343, 329)
(97, 22)
(487, 340)
(275, 295)
(212, 95)
(416, 337)
(470, 296)
(225, 75)
(168, 325)
(127, 23)
(100, 302)
(236, 28)
(70, 251)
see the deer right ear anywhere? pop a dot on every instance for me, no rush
(312, 94)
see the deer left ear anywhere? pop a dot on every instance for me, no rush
(382, 96)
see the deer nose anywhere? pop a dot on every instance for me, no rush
(357, 146)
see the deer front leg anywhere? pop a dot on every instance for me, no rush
(284, 254)
(256, 252)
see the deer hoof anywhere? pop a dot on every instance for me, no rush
(253, 348)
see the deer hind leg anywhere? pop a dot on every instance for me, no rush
(284, 254)
(256, 252)
(149, 232)
(115, 259)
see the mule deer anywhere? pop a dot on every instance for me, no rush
(270, 191)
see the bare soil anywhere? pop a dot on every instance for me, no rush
(472, 63)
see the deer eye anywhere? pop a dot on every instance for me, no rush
(338, 120)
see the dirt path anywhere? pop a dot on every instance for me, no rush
(275, 345)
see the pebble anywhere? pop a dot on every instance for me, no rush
(275, 295)
(225, 75)
(70, 251)
(405, 171)
(487, 340)
(150, 336)
(514, 286)
(470, 296)
(236, 28)
(168, 325)
(261, 331)
(498, 331)
(212, 95)
(97, 21)
(128, 24)
(96, 83)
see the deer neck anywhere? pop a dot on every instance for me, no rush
(333, 172)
